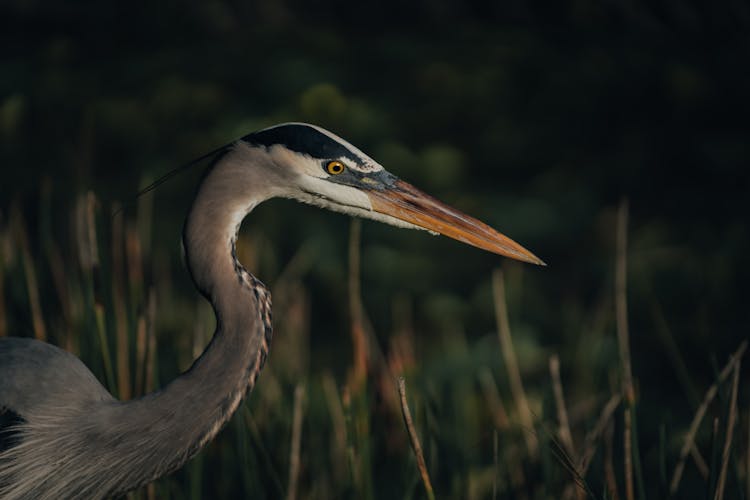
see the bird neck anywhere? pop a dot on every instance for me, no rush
(229, 366)
(186, 414)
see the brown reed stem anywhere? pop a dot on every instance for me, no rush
(627, 447)
(492, 397)
(351, 435)
(623, 341)
(700, 462)
(593, 437)
(731, 420)
(495, 462)
(338, 422)
(140, 354)
(700, 413)
(29, 271)
(92, 245)
(609, 463)
(151, 491)
(359, 340)
(91, 242)
(294, 452)
(562, 413)
(144, 223)
(415, 446)
(59, 280)
(511, 363)
(134, 260)
(151, 358)
(120, 315)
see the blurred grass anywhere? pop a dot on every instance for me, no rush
(537, 123)
(333, 433)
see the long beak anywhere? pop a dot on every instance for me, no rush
(403, 201)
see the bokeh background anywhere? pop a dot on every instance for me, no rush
(542, 120)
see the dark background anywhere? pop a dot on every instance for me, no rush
(538, 119)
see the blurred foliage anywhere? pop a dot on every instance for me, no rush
(536, 118)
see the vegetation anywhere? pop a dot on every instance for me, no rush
(610, 142)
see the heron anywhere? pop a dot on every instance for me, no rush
(63, 435)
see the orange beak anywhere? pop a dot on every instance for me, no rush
(404, 201)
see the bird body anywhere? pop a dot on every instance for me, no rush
(62, 435)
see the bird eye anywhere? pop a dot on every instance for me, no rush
(335, 167)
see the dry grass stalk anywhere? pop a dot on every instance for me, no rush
(731, 420)
(295, 322)
(118, 299)
(714, 448)
(134, 259)
(511, 363)
(90, 228)
(81, 236)
(140, 354)
(496, 463)
(338, 422)
(492, 397)
(359, 340)
(135, 281)
(29, 271)
(251, 424)
(609, 465)
(623, 340)
(151, 491)
(351, 452)
(90, 243)
(144, 223)
(603, 428)
(150, 381)
(621, 303)
(294, 452)
(700, 413)
(60, 280)
(700, 462)
(414, 439)
(501, 422)
(627, 443)
(592, 438)
(562, 413)
(70, 297)
(401, 358)
(398, 361)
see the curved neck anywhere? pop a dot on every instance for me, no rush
(227, 369)
(175, 422)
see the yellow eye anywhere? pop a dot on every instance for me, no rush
(335, 167)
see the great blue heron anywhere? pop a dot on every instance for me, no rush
(62, 435)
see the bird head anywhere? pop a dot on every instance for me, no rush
(317, 167)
